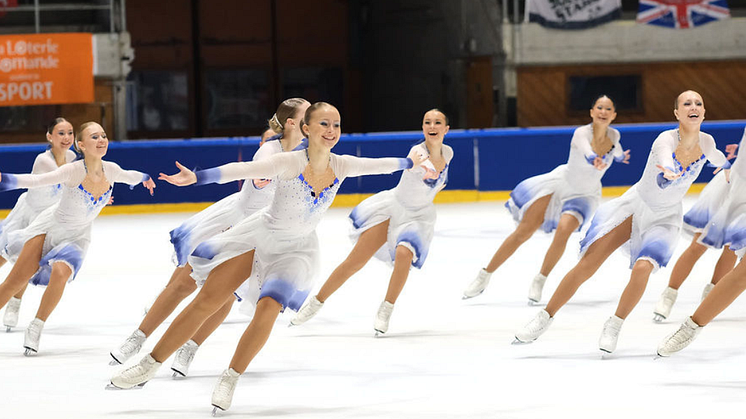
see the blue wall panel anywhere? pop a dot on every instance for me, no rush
(505, 157)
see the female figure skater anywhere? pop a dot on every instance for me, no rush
(52, 248)
(648, 215)
(278, 242)
(30, 204)
(562, 200)
(394, 225)
(727, 227)
(211, 221)
(695, 220)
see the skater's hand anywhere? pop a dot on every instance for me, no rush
(730, 149)
(668, 174)
(148, 184)
(626, 156)
(417, 157)
(599, 164)
(261, 183)
(185, 176)
(111, 200)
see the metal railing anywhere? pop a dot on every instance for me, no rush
(115, 8)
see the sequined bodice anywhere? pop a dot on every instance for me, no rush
(296, 209)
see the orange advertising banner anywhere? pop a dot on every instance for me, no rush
(46, 69)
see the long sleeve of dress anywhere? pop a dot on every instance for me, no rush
(351, 166)
(618, 150)
(715, 156)
(24, 181)
(261, 169)
(114, 173)
(581, 143)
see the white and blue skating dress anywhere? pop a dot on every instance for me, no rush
(32, 202)
(709, 201)
(575, 186)
(225, 213)
(408, 207)
(727, 227)
(282, 235)
(67, 225)
(654, 203)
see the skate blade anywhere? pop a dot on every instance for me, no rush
(658, 318)
(216, 410)
(111, 386)
(177, 375)
(532, 303)
(379, 334)
(466, 297)
(517, 341)
(29, 352)
(8, 329)
(114, 362)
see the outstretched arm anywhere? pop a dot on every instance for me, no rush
(131, 177)
(9, 181)
(267, 168)
(359, 166)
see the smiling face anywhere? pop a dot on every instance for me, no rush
(690, 108)
(434, 126)
(323, 127)
(603, 111)
(61, 137)
(92, 141)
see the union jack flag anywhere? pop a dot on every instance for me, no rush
(682, 14)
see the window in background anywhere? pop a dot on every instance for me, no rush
(236, 99)
(157, 101)
(625, 90)
(27, 119)
(314, 84)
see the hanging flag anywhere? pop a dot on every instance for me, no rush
(682, 14)
(572, 14)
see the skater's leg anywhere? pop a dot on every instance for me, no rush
(402, 264)
(180, 286)
(213, 322)
(684, 265)
(567, 224)
(367, 245)
(531, 221)
(220, 284)
(725, 292)
(725, 264)
(52, 294)
(256, 334)
(24, 268)
(594, 257)
(635, 288)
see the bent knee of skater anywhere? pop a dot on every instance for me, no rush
(404, 253)
(183, 286)
(643, 267)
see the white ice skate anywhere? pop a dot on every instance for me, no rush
(707, 290)
(307, 312)
(10, 319)
(478, 285)
(535, 328)
(537, 286)
(610, 334)
(135, 376)
(222, 396)
(679, 339)
(184, 357)
(665, 304)
(32, 336)
(381, 324)
(129, 348)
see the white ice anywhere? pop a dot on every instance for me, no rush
(443, 357)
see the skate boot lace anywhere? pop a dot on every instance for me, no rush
(132, 344)
(185, 355)
(680, 339)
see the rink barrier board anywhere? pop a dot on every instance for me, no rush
(487, 161)
(346, 201)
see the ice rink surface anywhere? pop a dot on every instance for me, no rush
(442, 358)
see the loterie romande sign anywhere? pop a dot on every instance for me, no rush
(45, 69)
